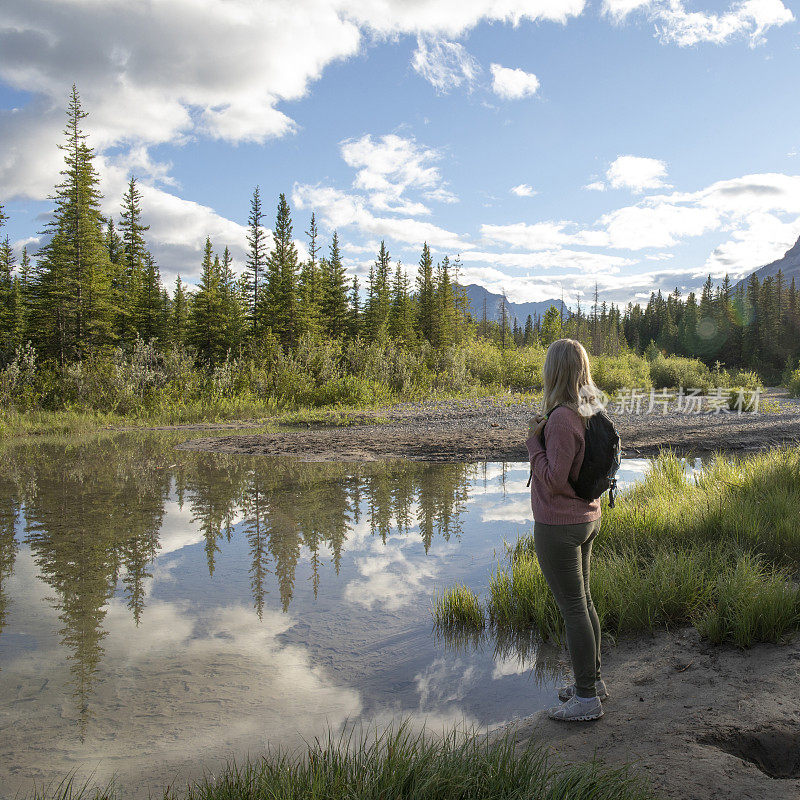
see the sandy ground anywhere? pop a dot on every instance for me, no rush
(693, 718)
(494, 429)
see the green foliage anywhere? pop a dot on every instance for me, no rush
(458, 606)
(793, 384)
(717, 551)
(625, 371)
(675, 371)
(362, 764)
(73, 309)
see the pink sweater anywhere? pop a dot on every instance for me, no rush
(553, 500)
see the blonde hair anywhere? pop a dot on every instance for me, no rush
(567, 379)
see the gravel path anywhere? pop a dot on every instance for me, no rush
(494, 429)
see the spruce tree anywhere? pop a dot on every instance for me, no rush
(426, 307)
(207, 324)
(280, 302)
(355, 315)
(180, 315)
(134, 261)
(376, 313)
(8, 315)
(23, 304)
(445, 326)
(401, 314)
(73, 304)
(310, 286)
(234, 302)
(527, 335)
(256, 261)
(148, 312)
(334, 292)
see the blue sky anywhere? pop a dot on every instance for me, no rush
(553, 144)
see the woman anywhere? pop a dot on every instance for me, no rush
(564, 524)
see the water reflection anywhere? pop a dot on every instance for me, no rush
(92, 517)
(164, 608)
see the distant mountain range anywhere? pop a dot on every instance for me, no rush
(477, 294)
(790, 264)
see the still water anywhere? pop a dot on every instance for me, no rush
(163, 610)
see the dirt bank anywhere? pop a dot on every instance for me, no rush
(494, 429)
(697, 719)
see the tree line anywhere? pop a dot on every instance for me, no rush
(95, 284)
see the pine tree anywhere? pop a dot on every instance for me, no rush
(233, 302)
(355, 310)
(179, 321)
(527, 337)
(376, 313)
(426, 307)
(551, 326)
(148, 312)
(207, 323)
(73, 303)
(23, 304)
(310, 287)
(130, 283)
(280, 301)
(401, 313)
(446, 314)
(334, 292)
(8, 315)
(256, 260)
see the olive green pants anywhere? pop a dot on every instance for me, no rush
(564, 552)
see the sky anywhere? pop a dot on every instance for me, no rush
(555, 145)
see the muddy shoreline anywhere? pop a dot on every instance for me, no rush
(494, 429)
(699, 721)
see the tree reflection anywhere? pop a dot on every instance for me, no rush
(93, 512)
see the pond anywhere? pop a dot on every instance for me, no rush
(164, 610)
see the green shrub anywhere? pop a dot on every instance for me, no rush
(673, 372)
(626, 371)
(793, 384)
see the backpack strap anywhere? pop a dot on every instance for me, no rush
(547, 416)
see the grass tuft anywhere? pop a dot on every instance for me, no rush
(718, 551)
(458, 607)
(401, 763)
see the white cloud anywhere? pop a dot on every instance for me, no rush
(555, 258)
(523, 190)
(748, 19)
(339, 209)
(619, 9)
(543, 235)
(595, 186)
(160, 72)
(658, 224)
(513, 84)
(636, 173)
(445, 65)
(389, 166)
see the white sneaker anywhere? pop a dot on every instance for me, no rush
(565, 692)
(575, 710)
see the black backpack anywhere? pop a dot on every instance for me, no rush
(601, 459)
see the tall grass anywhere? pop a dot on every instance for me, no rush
(399, 763)
(717, 551)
